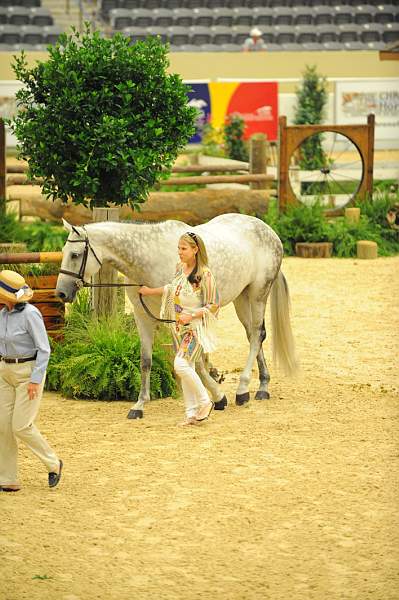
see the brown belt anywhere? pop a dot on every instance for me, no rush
(16, 360)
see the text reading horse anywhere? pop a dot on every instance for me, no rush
(245, 257)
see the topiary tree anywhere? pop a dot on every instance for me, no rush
(233, 138)
(101, 119)
(310, 109)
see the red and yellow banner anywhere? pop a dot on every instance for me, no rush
(255, 102)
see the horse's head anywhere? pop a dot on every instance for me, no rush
(79, 262)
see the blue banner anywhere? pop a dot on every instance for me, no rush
(199, 98)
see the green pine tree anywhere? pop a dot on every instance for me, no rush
(310, 110)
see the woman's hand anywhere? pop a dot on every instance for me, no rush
(185, 319)
(145, 291)
(148, 291)
(33, 390)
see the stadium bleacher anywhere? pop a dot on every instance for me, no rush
(286, 24)
(219, 25)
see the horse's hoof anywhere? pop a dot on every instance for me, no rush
(242, 398)
(262, 395)
(135, 414)
(221, 404)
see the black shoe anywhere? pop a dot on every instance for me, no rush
(54, 478)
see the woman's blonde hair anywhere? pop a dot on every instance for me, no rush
(194, 240)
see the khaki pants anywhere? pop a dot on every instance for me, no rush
(17, 413)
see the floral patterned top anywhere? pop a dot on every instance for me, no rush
(180, 296)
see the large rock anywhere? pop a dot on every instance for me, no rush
(191, 207)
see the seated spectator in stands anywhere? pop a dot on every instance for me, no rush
(254, 42)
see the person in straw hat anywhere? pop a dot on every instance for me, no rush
(24, 355)
(254, 42)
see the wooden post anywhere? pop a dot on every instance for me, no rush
(370, 155)
(3, 167)
(104, 300)
(282, 163)
(258, 155)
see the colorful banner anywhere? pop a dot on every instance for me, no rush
(256, 103)
(199, 98)
(354, 100)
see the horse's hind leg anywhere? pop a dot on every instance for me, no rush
(251, 313)
(218, 397)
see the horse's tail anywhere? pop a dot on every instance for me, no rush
(283, 345)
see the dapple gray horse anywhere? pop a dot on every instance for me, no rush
(245, 257)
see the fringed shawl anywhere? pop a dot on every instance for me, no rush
(204, 327)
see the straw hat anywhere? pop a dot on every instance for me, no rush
(255, 32)
(13, 287)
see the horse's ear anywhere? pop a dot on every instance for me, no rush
(66, 225)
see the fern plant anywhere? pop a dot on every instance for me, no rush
(99, 359)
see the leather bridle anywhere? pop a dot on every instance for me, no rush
(80, 276)
(80, 281)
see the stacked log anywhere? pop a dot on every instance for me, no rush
(366, 249)
(313, 249)
(194, 207)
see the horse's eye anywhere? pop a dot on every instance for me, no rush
(75, 255)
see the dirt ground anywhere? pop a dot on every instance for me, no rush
(295, 498)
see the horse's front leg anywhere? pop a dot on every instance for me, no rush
(145, 328)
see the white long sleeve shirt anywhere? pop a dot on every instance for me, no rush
(22, 335)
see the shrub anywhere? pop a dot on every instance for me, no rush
(101, 118)
(212, 141)
(299, 223)
(302, 223)
(9, 228)
(42, 237)
(99, 358)
(233, 138)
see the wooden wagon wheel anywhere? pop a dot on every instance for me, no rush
(334, 182)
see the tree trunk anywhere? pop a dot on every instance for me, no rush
(104, 300)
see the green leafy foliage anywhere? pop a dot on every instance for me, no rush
(310, 108)
(38, 236)
(99, 358)
(212, 141)
(301, 223)
(43, 237)
(235, 146)
(9, 228)
(101, 119)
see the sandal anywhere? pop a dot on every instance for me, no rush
(204, 411)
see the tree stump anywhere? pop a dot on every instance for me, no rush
(313, 249)
(352, 214)
(366, 249)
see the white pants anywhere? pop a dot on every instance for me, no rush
(194, 391)
(17, 413)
